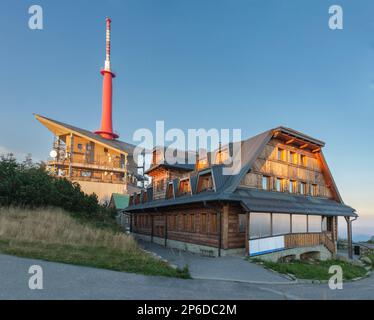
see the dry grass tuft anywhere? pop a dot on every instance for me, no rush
(55, 226)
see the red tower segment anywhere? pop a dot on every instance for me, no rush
(106, 129)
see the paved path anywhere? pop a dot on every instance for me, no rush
(231, 268)
(62, 281)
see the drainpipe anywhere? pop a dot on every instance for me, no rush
(349, 234)
(218, 212)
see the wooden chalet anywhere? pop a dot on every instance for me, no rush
(282, 204)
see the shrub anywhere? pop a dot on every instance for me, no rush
(29, 185)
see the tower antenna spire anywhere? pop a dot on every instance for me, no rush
(106, 130)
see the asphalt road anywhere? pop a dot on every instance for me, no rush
(62, 281)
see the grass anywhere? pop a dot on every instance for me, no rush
(54, 235)
(315, 270)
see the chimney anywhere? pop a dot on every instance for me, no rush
(106, 129)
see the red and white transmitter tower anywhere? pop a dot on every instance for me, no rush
(106, 130)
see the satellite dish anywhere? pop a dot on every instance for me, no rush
(53, 154)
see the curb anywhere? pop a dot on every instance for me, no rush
(246, 281)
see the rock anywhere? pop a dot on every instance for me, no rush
(358, 263)
(342, 258)
(366, 260)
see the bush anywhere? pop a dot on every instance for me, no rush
(29, 185)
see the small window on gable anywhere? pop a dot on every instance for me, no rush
(314, 190)
(265, 183)
(303, 188)
(282, 154)
(184, 187)
(293, 157)
(303, 160)
(279, 184)
(293, 186)
(205, 182)
(169, 191)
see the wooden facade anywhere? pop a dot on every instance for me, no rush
(285, 162)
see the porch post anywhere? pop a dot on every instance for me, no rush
(349, 235)
(247, 233)
(166, 229)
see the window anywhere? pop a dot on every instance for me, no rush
(265, 183)
(314, 190)
(303, 188)
(80, 146)
(279, 184)
(184, 187)
(170, 192)
(314, 224)
(281, 223)
(303, 160)
(259, 225)
(205, 182)
(281, 154)
(106, 150)
(293, 157)
(213, 223)
(293, 186)
(299, 223)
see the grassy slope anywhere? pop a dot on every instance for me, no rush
(318, 270)
(54, 235)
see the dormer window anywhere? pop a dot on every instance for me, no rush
(205, 182)
(184, 187)
(169, 191)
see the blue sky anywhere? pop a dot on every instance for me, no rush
(245, 64)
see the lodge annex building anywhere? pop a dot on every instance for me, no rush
(283, 203)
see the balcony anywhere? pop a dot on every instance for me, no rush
(112, 166)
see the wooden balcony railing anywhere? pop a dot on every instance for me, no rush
(309, 240)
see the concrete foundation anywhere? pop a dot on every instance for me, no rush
(319, 252)
(191, 247)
